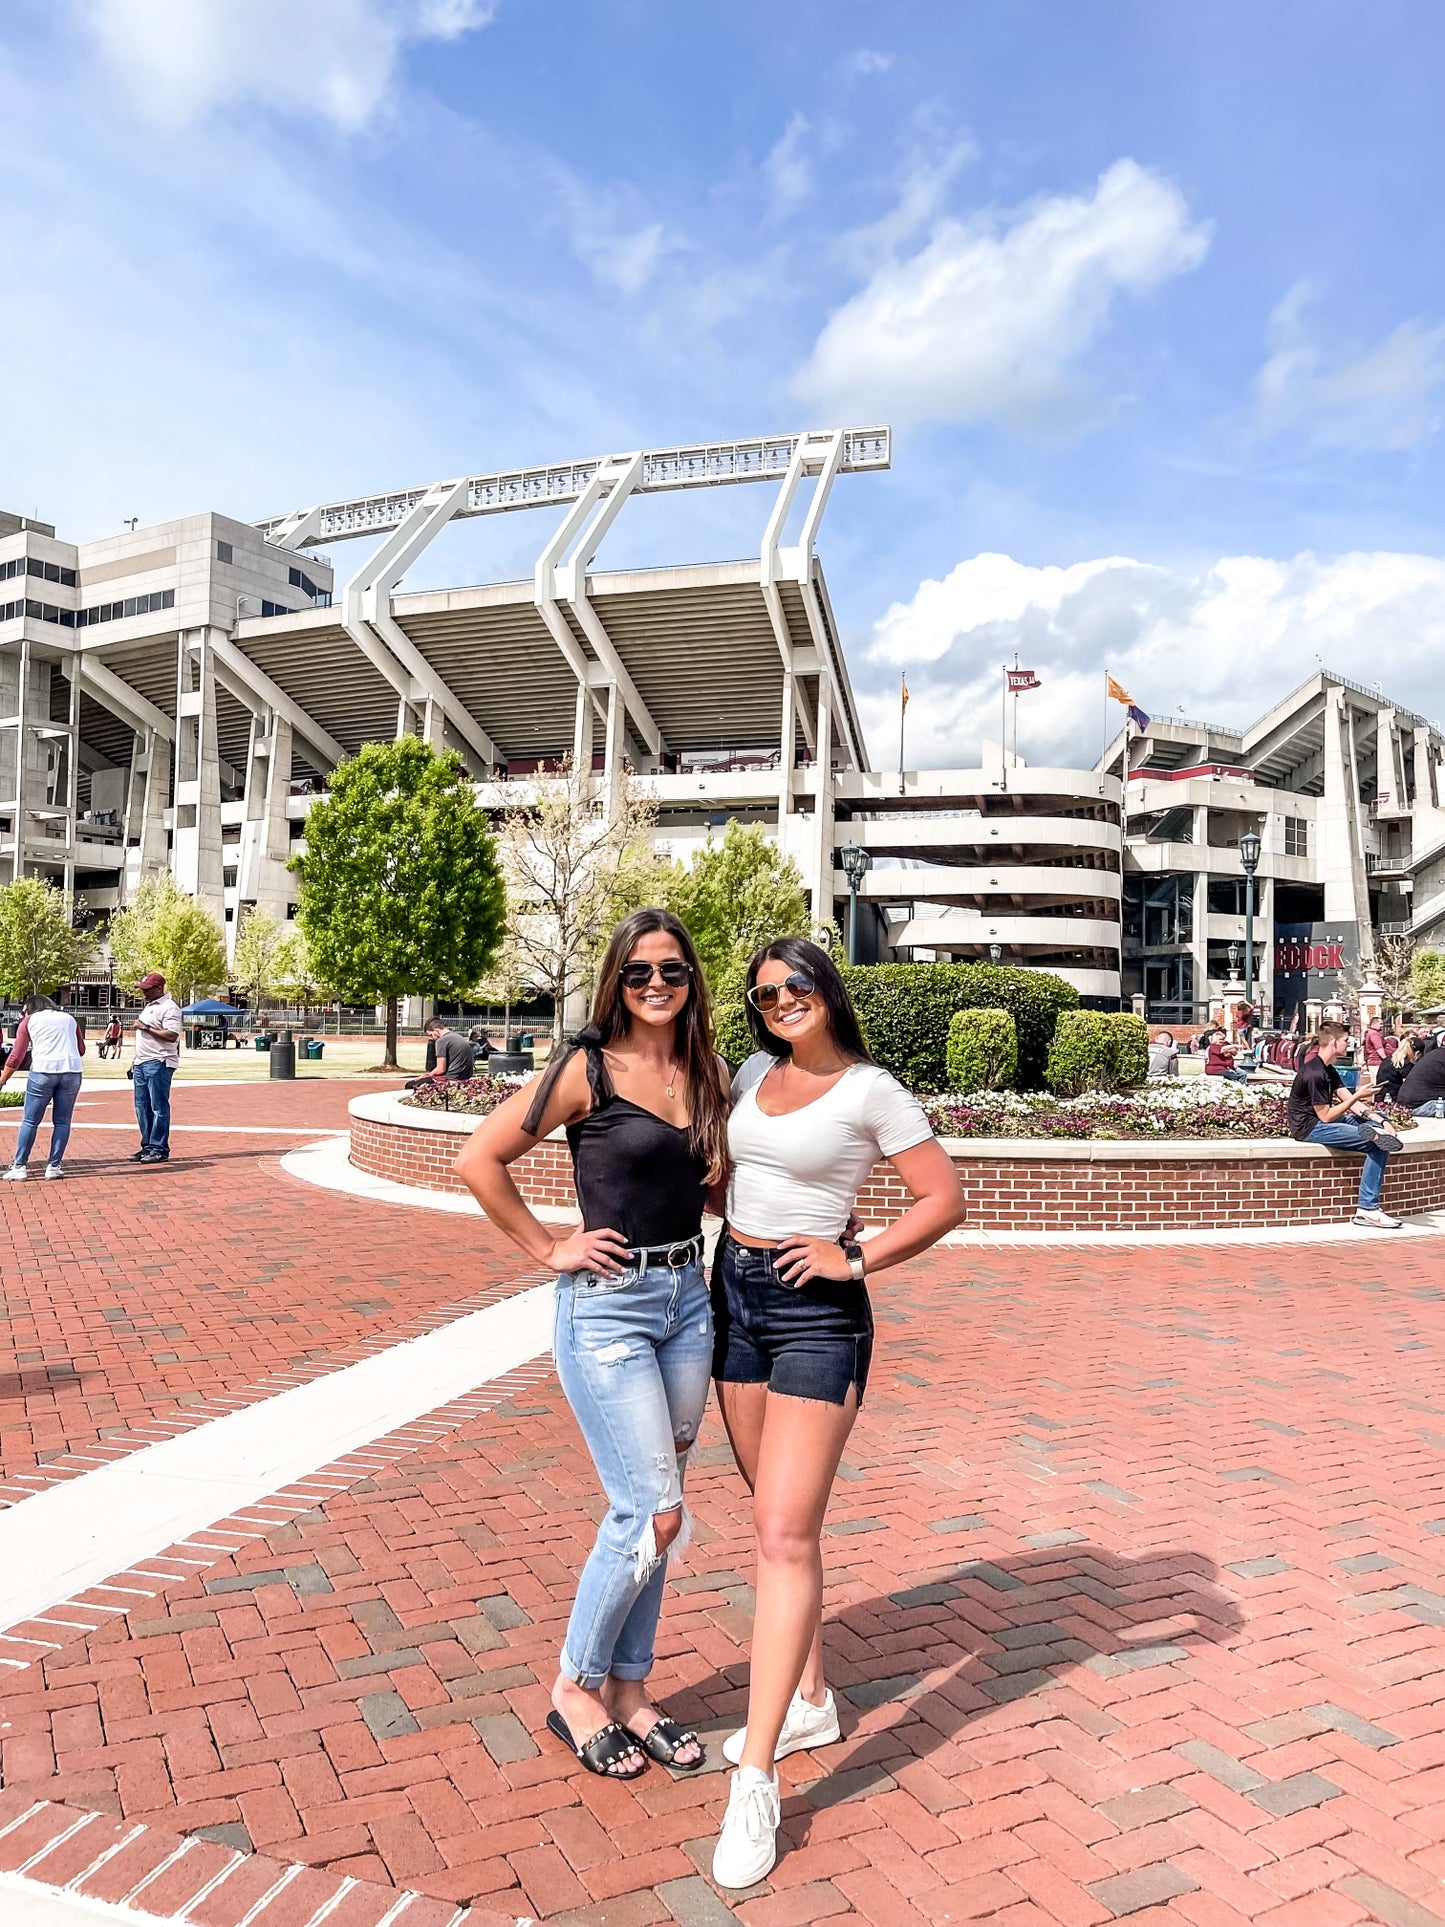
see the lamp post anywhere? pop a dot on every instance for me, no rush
(856, 864)
(1249, 857)
(995, 951)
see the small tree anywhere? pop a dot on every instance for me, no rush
(259, 962)
(401, 893)
(165, 929)
(1392, 970)
(567, 859)
(738, 895)
(39, 946)
(1427, 980)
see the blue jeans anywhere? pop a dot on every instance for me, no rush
(1349, 1137)
(1435, 1108)
(59, 1089)
(634, 1354)
(152, 1086)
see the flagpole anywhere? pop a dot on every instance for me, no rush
(902, 723)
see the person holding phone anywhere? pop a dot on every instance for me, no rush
(1322, 1111)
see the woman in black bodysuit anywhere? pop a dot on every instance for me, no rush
(644, 1101)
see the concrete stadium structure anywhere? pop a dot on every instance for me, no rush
(1346, 791)
(175, 698)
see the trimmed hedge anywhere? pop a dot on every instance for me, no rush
(905, 1010)
(1097, 1051)
(982, 1051)
(1131, 1049)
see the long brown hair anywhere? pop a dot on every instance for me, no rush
(707, 1106)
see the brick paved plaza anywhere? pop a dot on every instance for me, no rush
(1135, 1590)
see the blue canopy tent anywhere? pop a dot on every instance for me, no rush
(212, 1007)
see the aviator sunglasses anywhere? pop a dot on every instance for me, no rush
(674, 972)
(764, 997)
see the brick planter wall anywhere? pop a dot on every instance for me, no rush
(1007, 1185)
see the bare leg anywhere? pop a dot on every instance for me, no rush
(743, 1409)
(802, 1442)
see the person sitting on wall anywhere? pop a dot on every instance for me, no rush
(1423, 1088)
(1397, 1067)
(1163, 1055)
(1219, 1062)
(1322, 1111)
(454, 1056)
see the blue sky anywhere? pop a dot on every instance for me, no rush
(1153, 296)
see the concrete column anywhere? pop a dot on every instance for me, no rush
(818, 874)
(614, 760)
(583, 730)
(145, 811)
(262, 876)
(196, 838)
(1341, 853)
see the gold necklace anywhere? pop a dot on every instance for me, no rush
(671, 1082)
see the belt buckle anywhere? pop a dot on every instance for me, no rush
(680, 1254)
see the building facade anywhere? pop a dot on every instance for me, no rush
(1346, 792)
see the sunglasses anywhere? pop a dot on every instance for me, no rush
(764, 997)
(674, 972)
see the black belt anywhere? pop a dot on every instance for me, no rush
(687, 1251)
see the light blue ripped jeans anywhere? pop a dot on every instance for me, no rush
(634, 1354)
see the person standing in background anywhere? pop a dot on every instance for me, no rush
(157, 1054)
(1375, 1046)
(110, 1043)
(51, 1039)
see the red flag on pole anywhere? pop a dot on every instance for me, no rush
(1021, 679)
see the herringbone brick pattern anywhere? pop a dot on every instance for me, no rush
(134, 1299)
(1135, 1609)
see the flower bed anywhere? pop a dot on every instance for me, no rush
(1199, 1107)
(471, 1096)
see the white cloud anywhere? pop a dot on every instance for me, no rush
(180, 60)
(922, 191)
(1387, 397)
(988, 321)
(626, 262)
(788, 168)
(868, 61)
(1223, 643)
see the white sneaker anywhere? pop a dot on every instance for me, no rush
(54, 1171)
(17, 1174)
(804, 1727)
(1376, 1220)
(748, 1845)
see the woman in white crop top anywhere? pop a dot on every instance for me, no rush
(812, 1115)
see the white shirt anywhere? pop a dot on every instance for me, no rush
(801, 1173)
(165, 1013)
(54, 1041)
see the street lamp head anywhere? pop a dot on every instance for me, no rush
(995, 951)
(1249, 852)
(856, 863)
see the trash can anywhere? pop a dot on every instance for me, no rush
(318, 1050)
(312, 1048)
(283, 1056)
(263, 1042)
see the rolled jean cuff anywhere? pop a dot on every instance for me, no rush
(590, 1682)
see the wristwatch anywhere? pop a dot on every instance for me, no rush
(853, 1252)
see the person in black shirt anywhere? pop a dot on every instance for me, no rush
(1396, 1068)
(1321, 1111)
(1423, 1090)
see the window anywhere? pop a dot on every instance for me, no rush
(228, 877)
(224, 552)
(39, 611)
(1296, 836)
(304, 584)
(135, 605)
(1168, 910)
(43, 571)
(1226, 897)
(291, 909)
(274, 609)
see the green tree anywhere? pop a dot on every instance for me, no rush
(401, 891)
(165, 929)
(1427, 980)
(737, 895)
(262, 960)
(39, 946)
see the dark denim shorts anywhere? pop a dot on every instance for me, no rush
(809, 1341)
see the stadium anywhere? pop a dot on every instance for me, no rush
(176, 697)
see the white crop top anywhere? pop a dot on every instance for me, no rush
(802, 1172)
